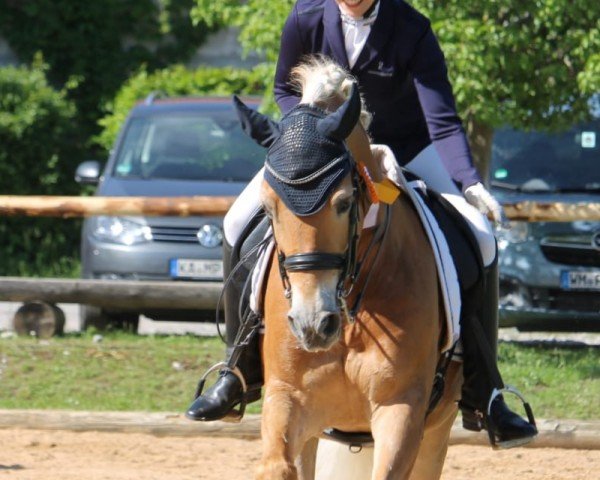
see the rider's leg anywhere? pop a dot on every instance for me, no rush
(481, 376)
(243, 354)
(480, 363)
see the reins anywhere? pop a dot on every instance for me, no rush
(242, 314)
(377, 239)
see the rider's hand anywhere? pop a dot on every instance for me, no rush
(482, 200)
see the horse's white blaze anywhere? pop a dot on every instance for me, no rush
(313, 297)
(310, 298)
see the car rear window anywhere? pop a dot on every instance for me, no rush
(206, 145)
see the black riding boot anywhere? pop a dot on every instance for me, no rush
(482, 404)
(240, 378)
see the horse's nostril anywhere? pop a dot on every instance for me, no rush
(328, 325)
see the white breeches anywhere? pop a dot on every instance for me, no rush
(243, 209)
(427, 164)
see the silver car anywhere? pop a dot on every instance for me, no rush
(167, 147)
(550, 272)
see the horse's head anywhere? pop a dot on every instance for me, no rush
(311, 194)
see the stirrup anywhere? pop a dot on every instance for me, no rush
(234, 416)
(490, 426)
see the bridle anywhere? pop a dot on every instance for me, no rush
(309, 145)
(347, 262)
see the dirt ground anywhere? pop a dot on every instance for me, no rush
(49, 455)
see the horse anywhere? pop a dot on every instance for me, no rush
(353, 316)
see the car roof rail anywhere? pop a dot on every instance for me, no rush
(149, 100)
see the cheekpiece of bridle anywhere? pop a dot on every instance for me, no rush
(307, 159)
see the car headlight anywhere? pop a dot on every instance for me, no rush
(121, 230)
(512, 232)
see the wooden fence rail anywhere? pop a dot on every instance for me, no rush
(66, 207)
(553, 211)
(126, 294)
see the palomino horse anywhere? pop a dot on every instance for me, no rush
(353, 317)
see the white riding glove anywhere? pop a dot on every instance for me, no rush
(478, 196)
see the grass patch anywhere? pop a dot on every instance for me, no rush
(558, 382)
(123, 372)
(160, 373)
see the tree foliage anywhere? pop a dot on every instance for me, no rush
(94, 46)
(260, 21)
(519, 62)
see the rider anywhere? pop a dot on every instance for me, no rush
(391, 50)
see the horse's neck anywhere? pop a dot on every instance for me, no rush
(401, 223)
(404, 245)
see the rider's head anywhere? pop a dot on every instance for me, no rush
(355, 8)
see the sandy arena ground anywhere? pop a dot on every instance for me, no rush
(49, 455)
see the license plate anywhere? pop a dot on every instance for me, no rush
(188, 268)
(573, 280)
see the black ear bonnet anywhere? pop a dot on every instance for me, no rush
(307, 156)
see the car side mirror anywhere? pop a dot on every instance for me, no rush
(88, 173)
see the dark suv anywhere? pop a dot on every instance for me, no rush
(550, 271)
(167, 147)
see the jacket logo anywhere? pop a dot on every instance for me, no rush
(382, 70)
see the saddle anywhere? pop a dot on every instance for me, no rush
(462, 243)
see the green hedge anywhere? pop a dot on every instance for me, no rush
(179, 81)
(37, 157)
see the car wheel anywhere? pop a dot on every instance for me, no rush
(92, 316)
(128, 322)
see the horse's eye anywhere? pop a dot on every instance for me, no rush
(343, 205)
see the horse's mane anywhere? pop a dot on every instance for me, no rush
(324, 83)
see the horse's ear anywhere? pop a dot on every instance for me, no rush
(256, 125)
(340, 123)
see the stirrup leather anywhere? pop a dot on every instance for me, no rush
(490, 426)
(234, 415)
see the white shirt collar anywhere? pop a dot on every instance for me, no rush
(360, 22)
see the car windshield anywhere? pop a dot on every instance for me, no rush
(207, 145)
(536, 161)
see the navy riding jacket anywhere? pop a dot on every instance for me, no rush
(402, 75)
